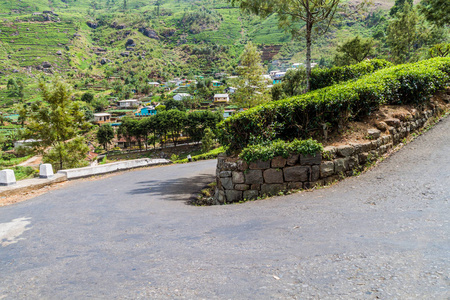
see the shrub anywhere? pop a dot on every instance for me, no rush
(294, 82)
(321, 78)
(208, 155)
(270, 150)
(304, 116)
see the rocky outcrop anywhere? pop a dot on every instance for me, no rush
(46, 65)
(168, 32)
(130, 43)
(118, 26)
(104, 61)
(149, 33)
(91, 24)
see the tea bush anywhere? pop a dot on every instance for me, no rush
(305, 115)
(321, 78)
(282, 148)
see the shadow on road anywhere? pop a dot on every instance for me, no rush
(180, 189)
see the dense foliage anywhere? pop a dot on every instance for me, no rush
(282, 148)
(293, 83)
(306, 115)
(57, 123)
(168, 124)
(321, 78)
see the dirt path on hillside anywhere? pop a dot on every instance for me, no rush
(32, 162)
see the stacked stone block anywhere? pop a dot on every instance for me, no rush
(238, 180)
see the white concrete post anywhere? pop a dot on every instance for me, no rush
(45, 171)
(7, 177)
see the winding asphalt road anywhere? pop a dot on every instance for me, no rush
(384, 234)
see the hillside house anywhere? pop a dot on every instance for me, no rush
(146, 111)
(217, 83)
(25, 143)
(221, 98)
(275, 81)
(279, 75)
(181, 96)
(154, 84)
(130, 103)
(272, 73)
(123, 143)
(297, 65)
(230, 90)
(101, 118)
(228, 113)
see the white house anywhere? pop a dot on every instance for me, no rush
(231, 90)
(272, 73)
(102, 117)
(297, 65)
(228, 113)
(181, 96)
(128, 103)
(221, 98)
(279, 75)
(25, 143)
(154, 84)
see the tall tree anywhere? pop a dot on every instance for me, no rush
(353, 51)
(57, 123)
(251, 88)
(208, 140)
(436, 11)
(293, 84)
(398, 6)
(105, 135)
(126, 129)
(149, 126)
(402, 33)
(176, 121)
(296, 17)
(198, 121)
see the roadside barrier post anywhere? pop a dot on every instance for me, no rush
(7, 177)
(46, 171)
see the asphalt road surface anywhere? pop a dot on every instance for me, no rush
(384, 234)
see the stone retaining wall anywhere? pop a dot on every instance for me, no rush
(237, 180)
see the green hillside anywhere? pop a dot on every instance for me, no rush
(172, 37)
(158, 40)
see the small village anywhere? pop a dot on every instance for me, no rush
(177, 92)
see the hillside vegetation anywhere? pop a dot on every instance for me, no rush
(166, 38)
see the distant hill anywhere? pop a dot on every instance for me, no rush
(163, 38)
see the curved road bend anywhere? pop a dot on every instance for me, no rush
(383, 235)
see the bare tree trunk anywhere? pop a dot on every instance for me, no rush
(308, 52)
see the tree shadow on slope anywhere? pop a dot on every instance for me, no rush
(179, 189)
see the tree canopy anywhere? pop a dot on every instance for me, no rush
(251, 88)
(436, 11)
(353, 51)
(105, 135)
(297, 17)
(57, 123)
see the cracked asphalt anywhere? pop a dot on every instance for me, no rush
(382, 235)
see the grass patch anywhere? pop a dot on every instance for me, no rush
(203, 156)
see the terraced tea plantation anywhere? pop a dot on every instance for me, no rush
(33, 43)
